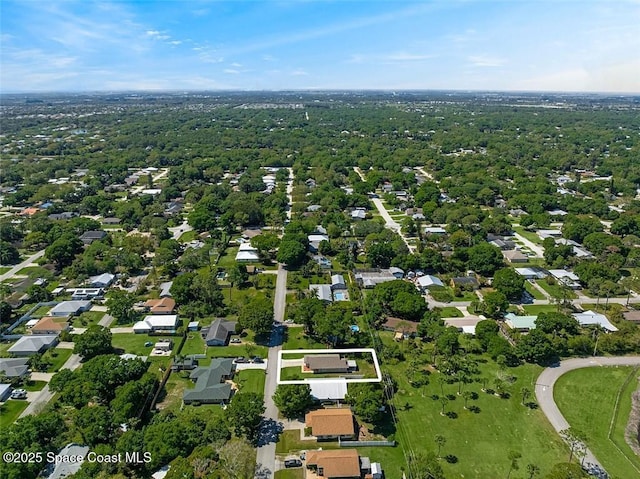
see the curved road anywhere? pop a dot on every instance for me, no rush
(27, 262)
(548, 378)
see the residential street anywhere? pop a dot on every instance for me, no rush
(548, 378)
(271, 427)
(24, 264)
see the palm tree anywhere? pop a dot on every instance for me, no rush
(532, 470)
(466, 395)
(443, 401)
(526, 392)
(440, 442)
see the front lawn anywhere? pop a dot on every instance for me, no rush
(9, 412)
(556, 291)
(533, 291)
(532, 309)
(296, 339)
(250, 380)
(132, 343)
(57, 357)
(450, 312)
(588, 398)
(88, 318)
(32, 385)
(296, 473)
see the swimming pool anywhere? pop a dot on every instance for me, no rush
(339, 296)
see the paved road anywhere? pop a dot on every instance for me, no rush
(266, 458)
(179, 230)
(548, 378)
(45, 395)
(530, 244)
(24, 264)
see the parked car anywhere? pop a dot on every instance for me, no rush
(148, 344)
(18, 394)
(235, 340)
(292, 463)
(240, 360)
(257, 360)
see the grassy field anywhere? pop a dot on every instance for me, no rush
(58, 357)
(530, 235)
(188, 236)
(532, 309)
(533, 291)
(250, 380)
(450, 312)
(297, 473)
(296, 339)
(134, 343)
(10, 411)
(86, 319)
(34, 385)
(556, 291)
(587, 398)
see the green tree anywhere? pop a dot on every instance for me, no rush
(95, 424)
(120, 306)
(292, 253)
(38, 293)
(94, 341)
(245, 414)
(495, 304)
(5, 312)
(257, 315)
(63, 250)
(380, 255)
(293, 400)
(509, 283)
(266, 244)
(237, 459)
(484, 258)
(237, 275)
(440, 442)
(366, 400)
(9, 254)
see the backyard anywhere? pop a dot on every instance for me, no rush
(588, 398)
(10, 410)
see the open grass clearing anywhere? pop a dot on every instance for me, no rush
(533, 291)
(57, 357)
(10, 410)
(587, 398)
(532, 309)
(296, 339)
(250, 380)
(296, 473)
(188, 236)
(530, 235)
(32, 385)
(557, 291)
(132, 343)
(450, 312)
(88, 318)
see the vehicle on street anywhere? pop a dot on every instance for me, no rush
(18, 394)
(257, 360)
(235, 340)
(240, 360)
(292, 463)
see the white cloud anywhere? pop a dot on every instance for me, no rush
(231, 71)
(299, 72)
(486, 61)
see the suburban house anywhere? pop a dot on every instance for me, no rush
(315, 240)
(503, 244)
(566, 278)
(588, 318)
(165, 289)
(534, 272)
(89, 237)
(111, 221)
(325, 363)
(358, 214)
(522, 324)
(338, 282)
(434, 230)
(329, 390)
(322, 292)
(332, 424)
(65, 215)
(515, 256)
(211, 387)
(103, 280)
(217, 334)
(50, 325)
(157, 323)
(30, 345)
(70, 308)
(427, 281)
(160, 306)
(368, 278)
(247, 254)
(399, 326)
(184, 364)
(324, 263)
(14, 367)
(79, 294)
(62, 469)
(334, 464)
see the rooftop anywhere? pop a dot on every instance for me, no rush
(331, 422)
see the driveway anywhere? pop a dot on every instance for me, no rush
(530, 244)
(548, 378)
(24, 264)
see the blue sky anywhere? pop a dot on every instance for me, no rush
(276, 45)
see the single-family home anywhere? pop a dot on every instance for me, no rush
(503, 244)
(163, 345)
(332, 424)
(65, 215)
(33, 344)
(89, 237)
(533, 272)
(520, 323)
(567, 278)
(157, 323)
(322, 292)
(211, 387)
(247, 254)
(165, 289)
(427, 281)
(85, 294)
(542, 234)
(338, 282)
(217, 334)
(588, 318)
(434, 230)
(515, 256)
(315, 240)
(323, 262)
(5, 392)
(62, 469)
(111, 221)
(314, 208)
(160, 306)
(465, 283)
(70, 308)
(406, 328)
(50, 325)
(13, 368)
(334, 463)
(325, 363)
(329, 390)
(368, 278)
(103, 280)
(358, 214)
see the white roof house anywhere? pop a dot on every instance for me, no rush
(63, 469)
(156, 322)
(322, 291)
(589, 317)
(33, 344)
(70, 308)
(531, 273)
(428, 280)
(102, 280)
(317, 238)
(247, 253)
(328, 390)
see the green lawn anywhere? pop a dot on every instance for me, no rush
(86, 319)
(35, 272)
(533, 291)
(4, 269)
(34, 385)
(532, 309)
(228, 259)
(4, 347)
(556, 291)
(10, 411)
(134, 343)
(296, 339)
(194, 344)
(450, 312)
(530, 235)
(58, 357)
(188, 236)
(251, 380)
(587, 399)
(290, 443)
(296, 473)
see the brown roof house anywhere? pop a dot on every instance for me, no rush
(326, 363)
(332, 424)
(334, 464)
(161, 306)
(515, 256)
(50, 325)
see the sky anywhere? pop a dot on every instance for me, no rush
(515, 45)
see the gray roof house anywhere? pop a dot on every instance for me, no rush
(70, 308)
(337, 282)
(165, 289)
(103, 280)
(30, 345)
(322, 292)
(14, 367)
(217, 334)
(210, 386)
(67, 468)
(89, 237)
